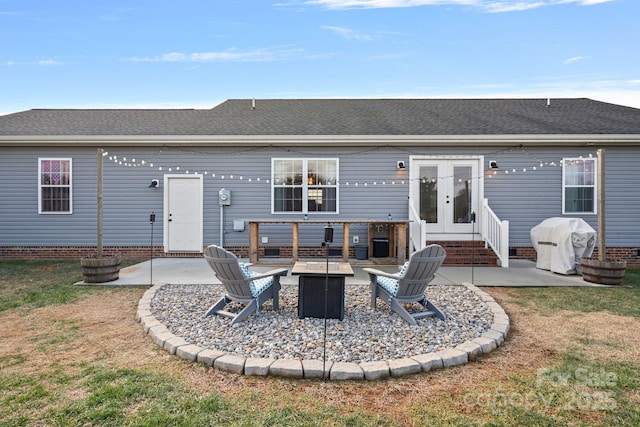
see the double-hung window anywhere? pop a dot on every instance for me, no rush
(579, 186)
(54, 185)
(304, 185)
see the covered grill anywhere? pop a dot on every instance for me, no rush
(561, 243)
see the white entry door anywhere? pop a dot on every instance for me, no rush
(447, 194)
(183, 220)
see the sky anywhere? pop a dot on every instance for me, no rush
(198, 53)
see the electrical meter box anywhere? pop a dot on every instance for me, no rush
(224, 197)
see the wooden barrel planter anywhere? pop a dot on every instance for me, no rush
(605, 272)
(100, 270)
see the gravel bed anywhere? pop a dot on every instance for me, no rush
(364, 335)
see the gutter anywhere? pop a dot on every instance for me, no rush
(550, 140)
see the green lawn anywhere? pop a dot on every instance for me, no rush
(572, 388)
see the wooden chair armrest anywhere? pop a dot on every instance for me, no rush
(374, 272)
(276, 272)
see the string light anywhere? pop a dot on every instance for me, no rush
(539, 164)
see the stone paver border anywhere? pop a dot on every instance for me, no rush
(293, 368)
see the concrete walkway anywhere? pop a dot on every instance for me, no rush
(197, 271)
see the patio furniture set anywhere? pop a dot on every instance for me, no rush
(321, 285)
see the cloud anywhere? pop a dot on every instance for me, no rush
(574, 59)
(48, 62)
(510, 6)
(347, 33)
(490, 6)
(229, 55)
(592, 2)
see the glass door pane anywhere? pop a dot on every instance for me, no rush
(462, 194)
(429, 194)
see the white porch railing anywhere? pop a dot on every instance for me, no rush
(495, 233)
(417, 230)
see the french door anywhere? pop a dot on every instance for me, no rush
(447, 193)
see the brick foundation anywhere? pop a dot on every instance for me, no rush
(629, 254)
(458, 253)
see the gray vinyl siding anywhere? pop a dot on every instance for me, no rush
(525, 199)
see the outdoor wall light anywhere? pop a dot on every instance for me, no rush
(154, 183)
(493, 164)
(401, 164)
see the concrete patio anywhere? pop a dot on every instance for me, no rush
(521, 273)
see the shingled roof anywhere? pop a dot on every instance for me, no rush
(338, 117)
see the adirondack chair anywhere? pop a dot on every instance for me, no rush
(241, 285)
(408, 284)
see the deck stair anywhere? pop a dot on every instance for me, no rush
(465, 253)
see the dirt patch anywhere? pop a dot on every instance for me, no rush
(102, 329)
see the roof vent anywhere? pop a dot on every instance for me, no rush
(253, 104)
(548, 102)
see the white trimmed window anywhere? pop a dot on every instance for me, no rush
(54, 186)
(579, 180)
(304, 185)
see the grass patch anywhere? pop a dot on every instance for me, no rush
(33, 284)
(571, 392)
(128, 397)
(579, 384)
(620, 300)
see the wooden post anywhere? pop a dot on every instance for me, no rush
(345, 242)
(296, 237)
(601, 204)
(254, 232)
(401, 229)
(99, 163)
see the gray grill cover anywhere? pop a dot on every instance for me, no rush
(561, 243)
